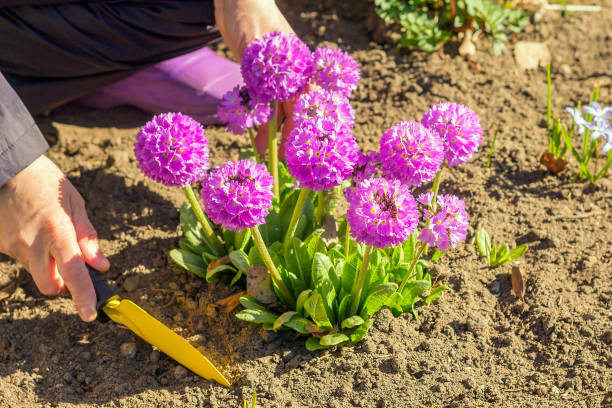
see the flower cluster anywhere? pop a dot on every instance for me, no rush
(238, 195)
(410, 153)
(382, 213)
(599, 125)
(321, 155)
(242, 112)
(366, 167)
(335, 70)
(459, 127)
(276, 67)
(447, 225)
(172, 149)
(318, 106)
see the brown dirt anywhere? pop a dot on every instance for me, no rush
(478, 347)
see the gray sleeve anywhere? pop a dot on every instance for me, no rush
(20, 139)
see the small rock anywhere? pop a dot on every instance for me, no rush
(131, 283)
(154, 357)
(180, 372)
(531, 55)
(565, 70)
(68, 378)
(128, 350)
(607, 337)
(554, 390)
(541, 389)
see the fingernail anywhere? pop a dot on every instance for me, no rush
(88, 313)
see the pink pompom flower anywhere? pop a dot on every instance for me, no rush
(238, 195)
(321, 105)
(382, 213)
(448, 225)
(410, 153)
(458, 126)
(335, 70)
(241, 112)
(366, 167)
(172, 149)
(276, 67)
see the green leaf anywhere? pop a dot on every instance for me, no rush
(282, 319)
(255, 257)
(351, 322)
(361, 331)
(185, 244)
(517, 252)
(314, 243)
(190, 261)
(189, 223)
(212, 274)
(257, 316)
(413, 291)
(303, 259)
(249, 302)
(315, 307)
(350, 270)
(377, 297)
(314, 344)
(236, 277)
(435, 293)
(229, 237)
(271, 231)
(321, 265)
(395, 302)
(342, 308)
(298, 324)
(333, 339)
(483, 240)
(240, 260)
(301, 299)
(241, 239)
(398, 255)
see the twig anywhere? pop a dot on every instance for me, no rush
(572, 8)
(578, 216)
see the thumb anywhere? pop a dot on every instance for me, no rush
(87, 239)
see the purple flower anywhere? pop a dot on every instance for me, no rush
(238, 195)
(321, 156)
(242, 112)
(321, 105)
(382, 212)
(599, 128)
(598, 113)
(459, 127)
(410, 153)
(276, 67)
(365, 168)
(172, 149)
(448, 225)
(578, 118)
(335, 70)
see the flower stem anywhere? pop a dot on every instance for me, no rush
(273, 149)
(265, 256)
(320, 200)
(412, 265)
(295, 217)
(255, 152)
(347, 242)
(358, 287)
(435, 187)
(197, 210)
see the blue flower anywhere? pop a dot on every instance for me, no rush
(600, 128)
(578, 119)
(598, 112)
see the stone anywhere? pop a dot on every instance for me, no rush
(531, 55)
(180, 372)
(128, 350)
(131, 283)
(565, 70)
(154, 357)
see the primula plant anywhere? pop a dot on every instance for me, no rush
(594, 134)
(497, 254)
(428, 24)
(264, 224)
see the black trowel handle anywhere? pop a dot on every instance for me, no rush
(103, 292)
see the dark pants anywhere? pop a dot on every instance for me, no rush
(54, 51)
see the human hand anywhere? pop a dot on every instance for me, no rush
(44, 225)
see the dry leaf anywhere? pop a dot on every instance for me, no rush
(259, 284)
(231, 302)
(7, 290)
(553, 165)
(518, 286)
(315, 330)
(224, 260)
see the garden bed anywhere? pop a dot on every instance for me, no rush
(478, 346)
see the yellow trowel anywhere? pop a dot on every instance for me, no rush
(151, 330)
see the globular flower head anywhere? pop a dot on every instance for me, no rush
(172, 149)
(459, 127)
(335, 70)
(382, 213)
(276, 67)
(238, 195)
(410, 153)
(321, 157)
(242, 112)
(320, 106)
(448, 225)
(366, 167)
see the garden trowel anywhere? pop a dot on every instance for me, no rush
(125, 312)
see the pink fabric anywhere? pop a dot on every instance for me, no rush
(192, 84)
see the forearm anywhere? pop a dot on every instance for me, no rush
(20, 139)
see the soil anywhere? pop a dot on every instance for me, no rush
(479, 346)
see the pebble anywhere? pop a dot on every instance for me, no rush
(531, 55)
(554, 390)
(180, 372)
(131, 283)
(541, 389)
(565, 70)
(68, 378)
(154, 357)
(128, 350)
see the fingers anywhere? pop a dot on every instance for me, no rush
(87, 239)
(46, 276)
(71, 267)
